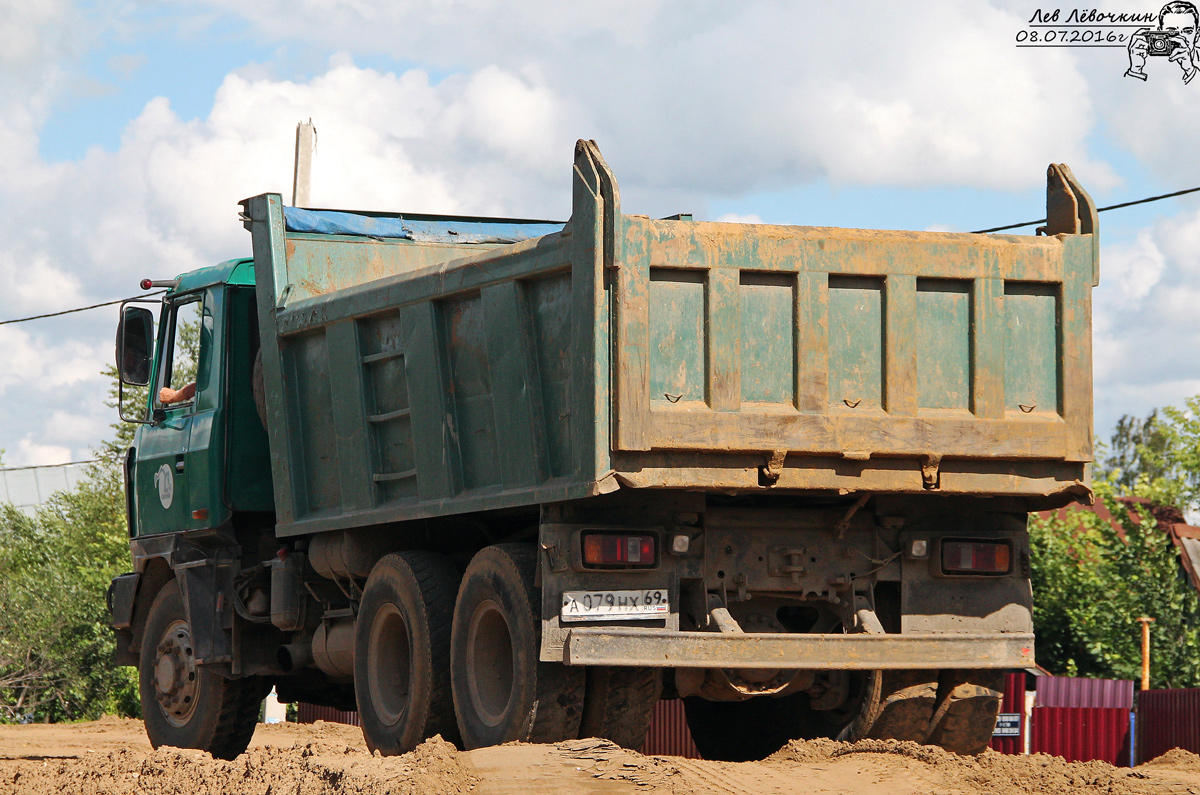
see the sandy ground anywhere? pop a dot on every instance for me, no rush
(112, 757)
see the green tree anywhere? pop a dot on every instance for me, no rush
(56, 648)
(55, 645)
(1135, 451)
(1093, 578)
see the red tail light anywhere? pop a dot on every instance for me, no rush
(608, 549)
(976, 557)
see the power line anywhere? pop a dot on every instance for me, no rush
(1099, 210)
(78, 309)
(50, 466)
(976, 232)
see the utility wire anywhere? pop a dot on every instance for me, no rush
(78, 309)
(976, 232)
(1099, 210)
(50, 466)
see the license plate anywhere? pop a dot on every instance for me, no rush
(615, 605)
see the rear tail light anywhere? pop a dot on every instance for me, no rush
(609, 549)
(976, 557)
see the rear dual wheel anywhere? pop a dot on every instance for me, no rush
(619, 704)
(402, 652)
(952, 709)
(967, 705)
(502, 691)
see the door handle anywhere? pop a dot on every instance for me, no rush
(179, 465)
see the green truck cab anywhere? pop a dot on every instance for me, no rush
(197, 462)
(503, 479)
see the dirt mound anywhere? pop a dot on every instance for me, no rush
(112, 757)
(311, 767)
(1175, 758)
(986, 773)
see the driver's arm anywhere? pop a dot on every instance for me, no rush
(166, 395)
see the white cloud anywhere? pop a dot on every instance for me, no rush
(725, 97)
(688, 101)
(1145, 320)
(26, 360)
(740, 218)
(165, 202)
(31, 454)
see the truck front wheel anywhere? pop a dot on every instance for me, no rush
(502, 692)
(402, 652)
(186, 705)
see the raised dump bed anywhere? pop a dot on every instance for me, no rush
(469, 365)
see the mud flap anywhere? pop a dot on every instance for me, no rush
(207, 586)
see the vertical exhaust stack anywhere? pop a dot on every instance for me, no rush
(306, 139)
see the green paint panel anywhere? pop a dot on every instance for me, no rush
(677, 340)
(249, 458)
(386, 387)
(768, 366)
(1031, 350)
(307, 359)
(943, 344)
(856, 341)
(471, 390)
(549, 301)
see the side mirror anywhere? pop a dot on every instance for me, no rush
(135, 334)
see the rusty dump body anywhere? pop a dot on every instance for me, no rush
(800, 404)
(629, 353)
(716, 461)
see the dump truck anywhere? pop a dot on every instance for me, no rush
(502, 479)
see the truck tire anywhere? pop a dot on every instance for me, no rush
(967, 705)
(618, 704)
(258, 388)
(899, 705)
(402, 652)
(186, 705)
(502, 692)
(747, 731)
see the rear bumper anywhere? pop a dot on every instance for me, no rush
(660, 648)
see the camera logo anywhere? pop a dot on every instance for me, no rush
(1174, 40)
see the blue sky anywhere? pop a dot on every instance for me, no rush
(129, 129)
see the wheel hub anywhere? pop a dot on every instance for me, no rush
(176, 680)
(490, 678)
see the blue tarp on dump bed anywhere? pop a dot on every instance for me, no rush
(330, 222)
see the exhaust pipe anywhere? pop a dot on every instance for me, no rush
(294, 656)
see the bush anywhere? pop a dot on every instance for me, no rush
(56, 648)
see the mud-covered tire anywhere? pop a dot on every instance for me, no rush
(618, 704)
(898, 706)
(967, 705)
(258, 388)
(746, 731)
(502, 692)
(402, 652)
(187, 705)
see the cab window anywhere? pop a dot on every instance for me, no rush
(181, 358)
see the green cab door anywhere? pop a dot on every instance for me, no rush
(165, 455)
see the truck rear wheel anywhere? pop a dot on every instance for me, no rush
(402, 652)
(186, 705)
(502, 692)
(618, 704)
(899, 705)
(967, 705)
